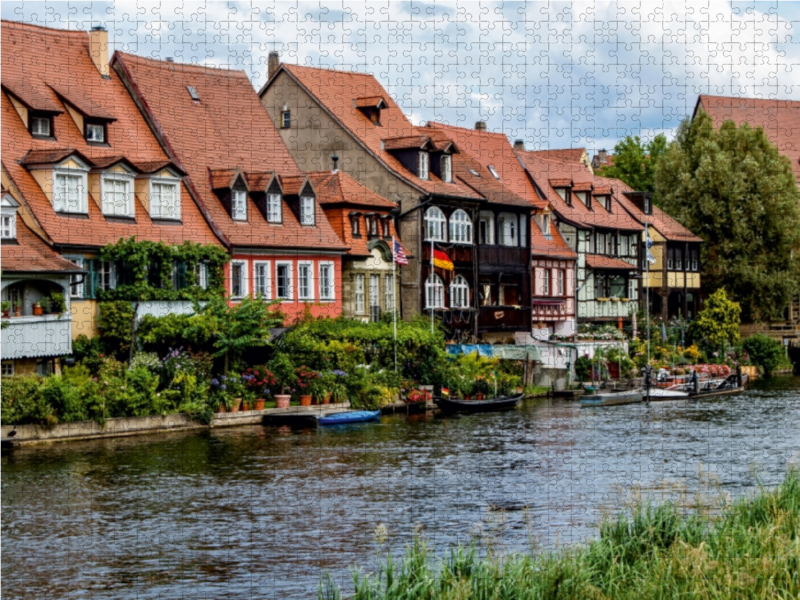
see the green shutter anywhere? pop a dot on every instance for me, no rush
(90, 283)
(180, 278)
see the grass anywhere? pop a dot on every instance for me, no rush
(533, 391)
(750, 550)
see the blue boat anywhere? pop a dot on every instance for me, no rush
(351, 416)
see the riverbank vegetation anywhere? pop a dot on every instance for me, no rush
(750, 550)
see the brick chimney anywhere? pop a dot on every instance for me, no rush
(273, 64)
(98, 48)
(480, 126)
(519, 145)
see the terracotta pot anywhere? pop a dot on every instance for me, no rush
(18, 312)
(6, 313)
(479, 396)
(221, 408)
(467, 397)
(38, 311)
(305, 400)
(259, 404)
(282, 400)
(245, 406)
(236, 403)
(327, 398)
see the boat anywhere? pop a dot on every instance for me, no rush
(612, 398)
(460, 405)
(350, 416)
(657, 394)
(726, 387)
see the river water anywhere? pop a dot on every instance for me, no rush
(258, 512)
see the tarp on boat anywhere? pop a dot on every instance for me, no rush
(504, 352)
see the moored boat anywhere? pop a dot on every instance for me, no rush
(612, 398)
(351, 416)
(459, 405)
(657, 394)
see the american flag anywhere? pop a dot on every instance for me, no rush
(399, 255)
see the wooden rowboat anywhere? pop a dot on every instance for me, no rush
(459, 405)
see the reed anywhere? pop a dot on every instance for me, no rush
(750, 549)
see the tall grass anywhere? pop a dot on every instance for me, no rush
(751, 550)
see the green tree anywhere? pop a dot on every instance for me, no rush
(718, 323)
(635, 162)
(732, 188)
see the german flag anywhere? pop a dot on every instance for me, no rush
(441, 260)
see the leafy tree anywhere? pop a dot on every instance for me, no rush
(765, 352)
(718, 323)
(732, 188)
(635, 162)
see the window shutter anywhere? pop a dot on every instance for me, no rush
(90, 283)
(180, 279)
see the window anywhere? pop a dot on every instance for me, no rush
(385, 230)
(106, 275)
(507, 224)
(201, 275)
(76, 281)
(238, 279)
(445, 166)
(671, 259)
(274, 208)
(693, 261)
(601, 286)
(625, 246)
(284, 280)
(605, 202)
(600, 243)
(631, 288)
(374, 298)
(562, 192)
(460, 228)
(8, 369)
(486, 228)
(617, 286)
(559, 282)
(459, 293)
(307, 216)
(647, 209)
(327, 291)
(372, 225)
(423, 165)
(546, 224)
(117, 197)
(355, 223)
(434, 292)
(95, 133)
(388, 290)
(493, 172)
(9, 227)
(239, 205)
(546, 282)
(286, 119)
(305, 281)
(359, 293)
(262, 279)
(435, 224)
(679, 259)
(69, 193)
(165, 200)
(41, 126)
(193, 93)
(582, 196)
(509, 294)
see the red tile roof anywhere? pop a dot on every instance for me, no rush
(659, 220)
(32, 255)
(227, 128)
(550, 246)
(546, 172)
(34, 57)
(341, 188)
(565, 154)
(779, 118)
(370, 102)
(83, 103)
(598, 261)
(336, 90)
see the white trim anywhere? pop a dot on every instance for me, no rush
(423, 165)
(270, 216)
(508, 227)
(243, 291)
(331, 296)
(266, 289)
(89, 127)
(289, 283)
(177, 190)
(446, 168)
(8, 231)
(239, 205)
(359, 295)
(60, 204)
(307, 218)
(459, 290)
(434, 218)
(460, 227)
(309, 295)
(434, 290)
(80, 287)
(117, 177)
(389, 292)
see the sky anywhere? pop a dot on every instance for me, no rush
(555, 74)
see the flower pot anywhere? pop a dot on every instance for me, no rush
(479, 396)
(467, 396)
(305, 400)
(245, 406)
(6, 313)
(235, 406)
(38, 311)
(220, 409)
(259, 404)
(327, 398)
(282, 400)
(18, 311)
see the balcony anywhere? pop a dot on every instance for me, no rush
(504, 318)
(37, 336)
(504, 256)
(606, 309)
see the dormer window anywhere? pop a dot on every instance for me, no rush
(493, 172)
(370, 107)
(605, 202)
(117, 195)
(274, 208)
(355, 224)
(165, 199)
(386, 232)
(372, 225)
(41, 125)
(239, 205)
(648, 209)
(95, 133)
(286, 119)
(546, 224)
(446, 167)
(307, 214)
(422, 167)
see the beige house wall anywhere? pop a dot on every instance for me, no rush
(84, 318)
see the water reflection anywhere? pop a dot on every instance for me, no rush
(261, 512)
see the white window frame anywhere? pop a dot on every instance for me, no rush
(60, 204)
(600, 243)
(201, 274)
(286, 119)
(546, 282)
(157, 181)
(106, 275)
(289, 280)
(309, 292)
(523, 230)
(307, 211)
(423, 166)
(242, 264)
(436, 224)
(559, 282)
(9, 227)
(434, 292)
(546, 224)
(460, 227)
(110, 209)
(239, 205)
(330, 293)
(509, 229)
(488, 218)
(7, 368)
(459, 292)
(388, 292)
(274, 208)
(358, 293)
(374, 296)
(35, 120)
(76, 291)
(262, 282)
(446, 168)
(93, 127)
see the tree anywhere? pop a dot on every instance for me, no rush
(635, 162)
(718, 323)
(732, 188)
(765, 352)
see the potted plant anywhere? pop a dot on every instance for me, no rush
(37, 309)
(318, 388)
(235, 391)
(219, 395)
(305, 382)
(57, 303)
(6, 306)
(285, 377)
(45, 303)
(481, 387)
(17, 308)
(337, 387)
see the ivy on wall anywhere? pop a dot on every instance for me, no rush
(148, 270)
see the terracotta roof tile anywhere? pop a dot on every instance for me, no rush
(31, 94)
(598, 261)
(564, 154)
(227, 126)
(83, 103)
(549, 246)
(370, 102)
(341, 188)
(225, 178)
(51, 156)
(32, 255)
(659, 220)
(258, 182)
(412, 142)
(34, 57)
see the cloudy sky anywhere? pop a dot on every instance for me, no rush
(556, 74)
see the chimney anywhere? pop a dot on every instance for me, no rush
(274, 63)
(602, 156)
(480, 126)
(98, 48)
(519, 145)
(169, 59)
(335, 159)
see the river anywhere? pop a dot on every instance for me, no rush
(257, 512)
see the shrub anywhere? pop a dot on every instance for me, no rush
(23, 402)
(583, 368)
(765, 352)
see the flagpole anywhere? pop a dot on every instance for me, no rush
(433, 283)
(394, 302)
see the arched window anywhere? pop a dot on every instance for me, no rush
(460, 228)
(435, 224)
(434, 292)
(459, 293)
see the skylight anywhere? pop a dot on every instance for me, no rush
(494, 173)
(474, 172)
(192, 92)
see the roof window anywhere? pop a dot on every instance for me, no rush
(193, 93)
(493, 172)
